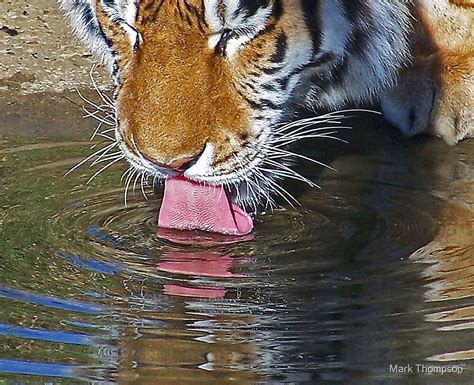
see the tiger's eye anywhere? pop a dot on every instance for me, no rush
(221, 47)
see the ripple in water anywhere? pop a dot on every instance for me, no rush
(374, 270)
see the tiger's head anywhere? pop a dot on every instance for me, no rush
(203, 86)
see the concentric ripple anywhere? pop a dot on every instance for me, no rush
(335, 291)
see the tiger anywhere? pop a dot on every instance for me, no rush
(206, 90)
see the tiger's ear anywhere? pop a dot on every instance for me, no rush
(105, 26)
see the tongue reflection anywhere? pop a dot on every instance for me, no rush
(189, 205)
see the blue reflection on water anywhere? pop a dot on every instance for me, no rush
(93, 265)
(38, 369)
(95, 232)
(45, 335)
(52, 302)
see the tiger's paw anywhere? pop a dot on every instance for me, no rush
(435, 96)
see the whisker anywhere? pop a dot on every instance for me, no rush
(106, 154)
(283, 142)
(108, 130)
(127, 185)
(304, 130)
(110, 157)
(106, 148)
(334, 117)
(288, 175)
(269, 200)
(99, 126)
(103, 169)
(135, 182)
(100, 109)
(253, 189)
(258, 190)
(280, 190)
(94, 115)
(102, 95)
(278, 153)
(329, 136)
(283, 156)
(318, 119)
(353, 110)
(294, 175)
(129, 169)
(302, 134)
(142, 185)
(98, 144)
(305, 123)
(105, 136)
(90, 102)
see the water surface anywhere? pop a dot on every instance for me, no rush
(375, 269)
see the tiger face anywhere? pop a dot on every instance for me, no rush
(202, 87)
(195, 87)
(201, 84)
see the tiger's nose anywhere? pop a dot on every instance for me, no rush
(179, 160)
(179, 164)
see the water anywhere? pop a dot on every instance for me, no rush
(374, 270)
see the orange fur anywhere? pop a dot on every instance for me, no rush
(171, 85)
(440, 82)
(170, 89)
(463, 3)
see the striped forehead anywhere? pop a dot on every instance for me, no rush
(235, 14)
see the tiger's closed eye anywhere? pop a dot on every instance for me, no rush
(221, 46)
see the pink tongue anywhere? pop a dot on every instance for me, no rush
(189, 205)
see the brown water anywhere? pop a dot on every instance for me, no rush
(376, 269)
